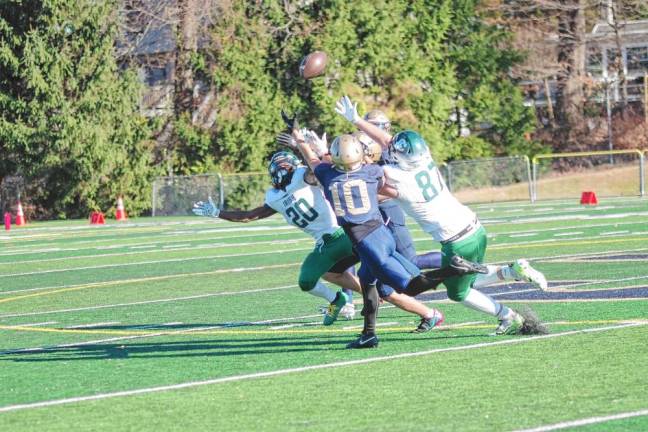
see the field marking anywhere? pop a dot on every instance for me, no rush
(280, 372)
(148, 244)
(146, 279)
(143, 302)
(170, 260)
(34, 324)
(570, 233)
(495, 247)
(91, 325)
(586, 421)
(275, 330)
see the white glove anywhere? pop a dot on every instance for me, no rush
(317, 144)
(208, 208)
(347, 109)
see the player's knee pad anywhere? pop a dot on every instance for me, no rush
(307, 284)
(458, 295)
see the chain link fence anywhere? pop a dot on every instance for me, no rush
(606, 173)
(489, 179)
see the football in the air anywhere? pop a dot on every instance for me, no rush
(313, 65)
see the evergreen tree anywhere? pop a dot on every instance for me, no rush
(69, 120)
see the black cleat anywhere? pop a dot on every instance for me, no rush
(463, 266)
(364, 341)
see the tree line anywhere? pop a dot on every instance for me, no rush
(72, 127)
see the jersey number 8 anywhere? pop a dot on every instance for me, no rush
(426, 179)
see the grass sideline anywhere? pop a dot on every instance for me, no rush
(165, 302)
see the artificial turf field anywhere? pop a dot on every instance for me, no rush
(196, 324)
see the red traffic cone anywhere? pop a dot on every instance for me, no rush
(120, 214)
(97, 218)
(20, 216)
(7, 221)
(588, 198)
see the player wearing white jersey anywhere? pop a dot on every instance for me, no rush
(418, 186)
(303, 205)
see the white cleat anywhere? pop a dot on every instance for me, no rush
(348, 311)
(524, 271)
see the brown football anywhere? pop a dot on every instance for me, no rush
(313, 65)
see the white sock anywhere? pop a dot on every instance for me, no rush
(495, 274)
(481, 302)
(322, 291)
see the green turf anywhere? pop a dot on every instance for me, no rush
(168, 305)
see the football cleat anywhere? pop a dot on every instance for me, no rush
(348, 311)
(428, 324)
(523, 270)
(463, 266)
(510, 325)
(364, 341)
(334, 308)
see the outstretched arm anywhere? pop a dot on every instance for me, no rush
(247, 215)
(349, 111)
(209, 209)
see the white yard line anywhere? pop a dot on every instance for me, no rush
(280, 372)
(571, 233)
(91, 325)
(144, 302)
(34, 324)
(196, 258)
(586, 421)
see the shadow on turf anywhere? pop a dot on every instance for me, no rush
(209, 348)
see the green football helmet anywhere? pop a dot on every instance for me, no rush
(281, 168)
(408, 149)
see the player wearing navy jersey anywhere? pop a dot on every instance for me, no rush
(352, 189)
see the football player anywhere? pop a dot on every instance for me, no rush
(352, 189)
(416, 183)
(297, 197)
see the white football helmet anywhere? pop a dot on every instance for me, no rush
(371, 148)
(378, 118)
(346, 152)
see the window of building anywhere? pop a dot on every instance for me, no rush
(594, 61)
(638, 58)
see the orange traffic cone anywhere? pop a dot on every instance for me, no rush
(120, 214)
(97, 218)
(7, 221)
(588, 198)
(20, 216)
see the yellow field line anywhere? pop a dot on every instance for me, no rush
(279, 331)
(135, 280)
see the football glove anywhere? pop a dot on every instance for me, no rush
(347, 109)
(208, 208)
(291, 122)
(287, 140)
(319, 145)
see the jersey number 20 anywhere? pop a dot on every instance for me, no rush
(301, 213)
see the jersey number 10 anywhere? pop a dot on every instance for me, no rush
(346, 192)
